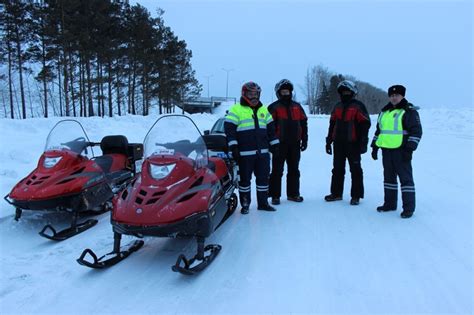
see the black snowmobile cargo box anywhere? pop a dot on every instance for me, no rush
(135, 151)
(216, 142)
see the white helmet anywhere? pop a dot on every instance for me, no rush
(347, 84)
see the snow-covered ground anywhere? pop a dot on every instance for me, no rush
(313, 257)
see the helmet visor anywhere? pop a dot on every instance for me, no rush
(252, 94)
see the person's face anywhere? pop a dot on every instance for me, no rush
(253, 97)
(346, 93)
(285, 92)
(396, 98)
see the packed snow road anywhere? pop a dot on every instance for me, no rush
(313, 257)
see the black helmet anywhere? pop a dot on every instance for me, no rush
(282, 84)
(347, 85)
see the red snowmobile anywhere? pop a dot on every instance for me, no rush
(186, 188)
(69, 178)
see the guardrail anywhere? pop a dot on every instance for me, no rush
(203, 104)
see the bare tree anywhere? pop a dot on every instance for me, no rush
(315, 78)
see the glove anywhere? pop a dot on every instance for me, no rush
(407, 154)
(304, 145)
(235, 152)
(375, 150)
(275, 149)
(328, 149)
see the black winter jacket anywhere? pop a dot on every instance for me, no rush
(291, 123)
(349, 123)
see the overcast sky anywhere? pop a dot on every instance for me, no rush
(425, 45)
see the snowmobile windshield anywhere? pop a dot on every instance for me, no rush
(174, 135)
(69, 135)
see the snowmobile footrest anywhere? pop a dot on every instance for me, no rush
(196, 265)
(109, 259)
(67, 233)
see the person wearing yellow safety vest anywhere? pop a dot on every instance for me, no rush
(250, 132)
(398, 133)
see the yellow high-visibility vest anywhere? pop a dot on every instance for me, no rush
(242, 116)
(391, 129)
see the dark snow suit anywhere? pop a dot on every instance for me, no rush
(397, 161)
(291, 125)
(348, 130)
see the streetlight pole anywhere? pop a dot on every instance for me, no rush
(207, 77)
(227, 82)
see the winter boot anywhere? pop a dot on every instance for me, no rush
(385, 208)
(245, 202)
(332, 197)
(275, 201)
(355, 201)
(406, 214)
(244, 210)
(295, 198)
(266, 207)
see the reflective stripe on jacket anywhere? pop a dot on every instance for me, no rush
(252, 129)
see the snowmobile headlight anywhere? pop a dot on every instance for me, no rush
(161, 171)
(51, 161)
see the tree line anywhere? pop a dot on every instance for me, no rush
(90, 58)
(320, 89)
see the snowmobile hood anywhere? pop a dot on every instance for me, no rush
(58, 173)
(184, 191)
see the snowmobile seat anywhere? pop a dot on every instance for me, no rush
(216, 142)
(114, 144)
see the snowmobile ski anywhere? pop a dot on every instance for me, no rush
(67, 233)
(200, 261)
(112, 258)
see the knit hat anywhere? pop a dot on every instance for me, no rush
(397, 89)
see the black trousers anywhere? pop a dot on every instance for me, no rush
(393, 166)
(291, 154)
(260, 165)
(351, 152)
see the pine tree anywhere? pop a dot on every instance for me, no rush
(42, 49)
(16, 32)
(332, 91)
(323, 102)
